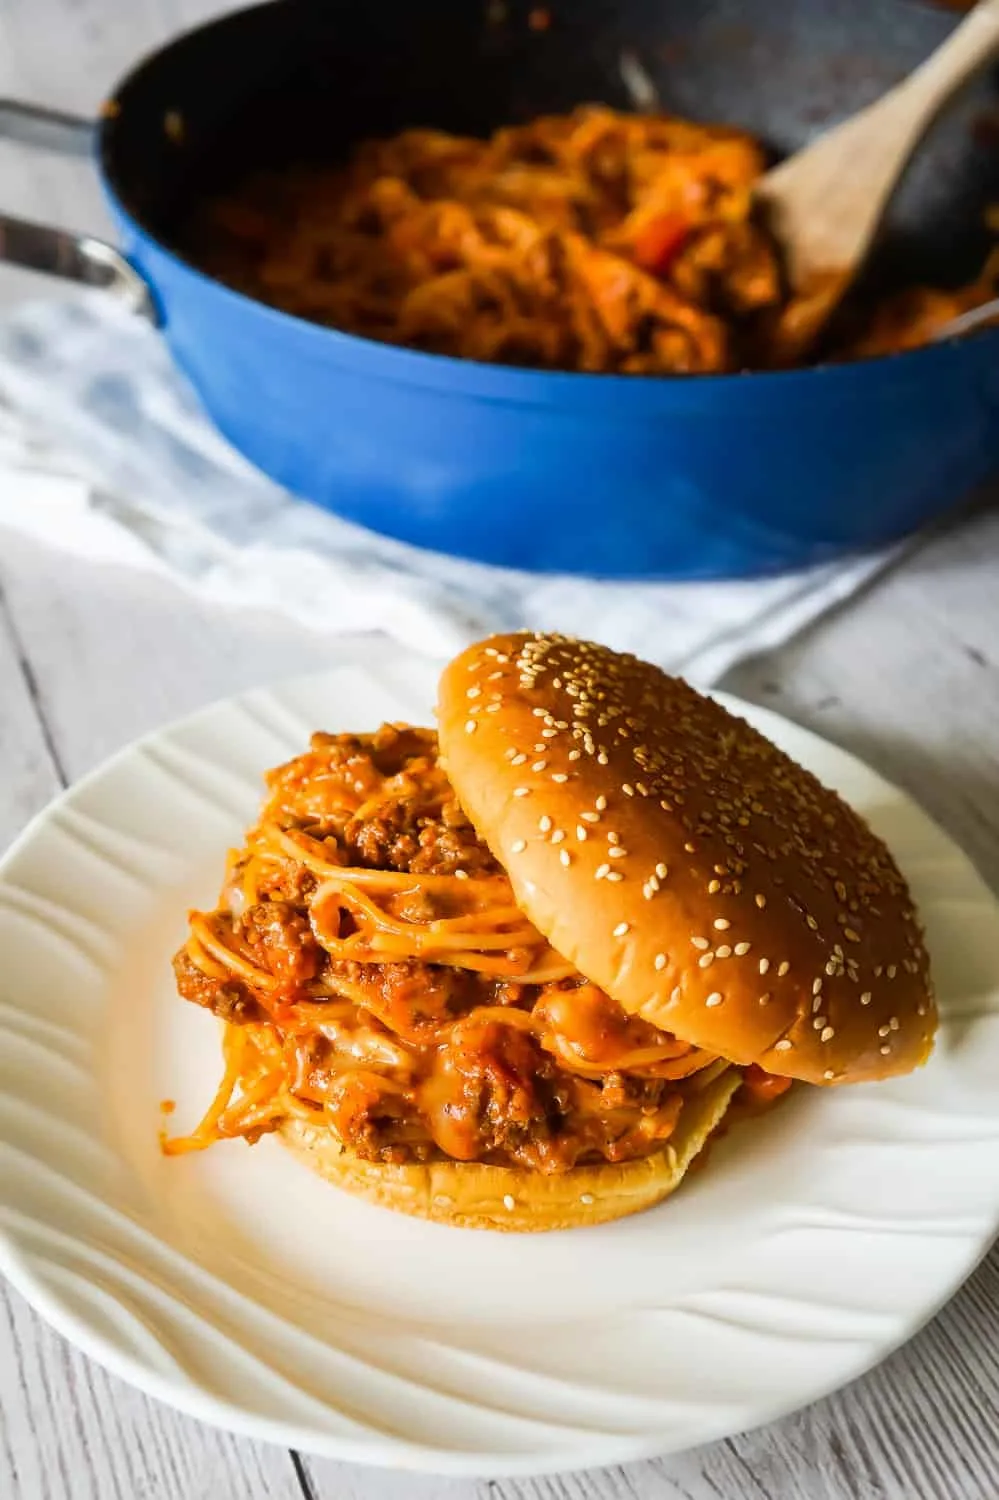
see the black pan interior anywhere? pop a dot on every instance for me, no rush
(300, 79)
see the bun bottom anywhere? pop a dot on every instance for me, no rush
(470, 1195)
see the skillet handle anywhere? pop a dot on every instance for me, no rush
(49, 129)
(76, 257)
(38, 247)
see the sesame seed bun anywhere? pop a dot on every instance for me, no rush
(686, 865)
(471, 1195)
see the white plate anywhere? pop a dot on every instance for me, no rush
(241, 1289)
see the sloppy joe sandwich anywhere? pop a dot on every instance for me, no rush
(513, 974)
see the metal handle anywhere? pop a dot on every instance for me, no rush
(49, 129)
(76, 257)
(39, 247)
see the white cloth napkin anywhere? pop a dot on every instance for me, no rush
(105, 453)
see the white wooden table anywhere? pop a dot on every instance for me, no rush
(907, 676)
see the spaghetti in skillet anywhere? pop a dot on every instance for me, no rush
(596, 241)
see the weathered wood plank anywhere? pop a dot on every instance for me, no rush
(118, 653)
(67, 1430)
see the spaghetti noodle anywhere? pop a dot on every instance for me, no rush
(375, 974)
(594, 241)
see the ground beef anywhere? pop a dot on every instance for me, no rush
(419, 826)
(492, 1092)
(280, 940)
(229, 998)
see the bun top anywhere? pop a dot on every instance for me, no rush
(685, 864)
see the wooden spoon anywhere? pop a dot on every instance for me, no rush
(826, 202)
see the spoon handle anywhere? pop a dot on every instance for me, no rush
(969, 47)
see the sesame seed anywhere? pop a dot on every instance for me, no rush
(761, 901)
(741, 949)
(621, 929)
(706, 960)
(559, 777)
(518, 760)
(724, 951)
(545, 823)
(474, 692)
(662, 871)
(616, 852)
(580, 833)
(675, 994)
(586, 1198)
(714, 886)
(690, 848)
(866, 998)
(539, 765)
(558, 835)
(884, 1030)
(461, 874)
(600, 803)
(783, 1046)
(565, 856)
(601, 758)
(891, 971)
(764, 965)
(470, 726)
(765, 999)
(443, 1200)
(574, 754)
(886, 1049)
(510, 754)
(819, 1022)
(660, 961)
(521, 791)
(615, 875)
(601, 872)
(812, 923)
(518, 846)
(590, 817)
(816, 986)
(493, 708)
(783, 969)
(700, 942)
(509, 1201)
(613, 838)
(816, 1004)
(893, 1022)
(827, 1035)
(714, 999)
(722, 923)
(828, 1074)
(851, 935)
